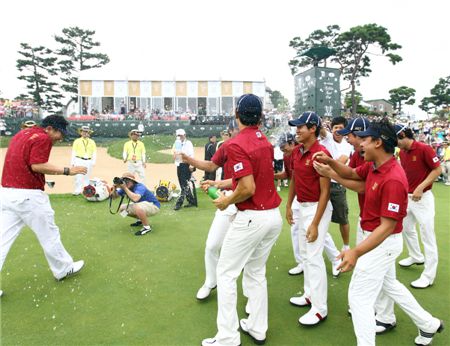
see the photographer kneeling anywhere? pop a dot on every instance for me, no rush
(144, 203)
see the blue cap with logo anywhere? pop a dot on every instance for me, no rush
(286, 138)
(399, 128)
(355, 125)
(306, 118)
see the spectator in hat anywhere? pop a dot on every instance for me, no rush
(210, 150)
(134, 154)
(84, 153)
(143, 204)
(22, 198)
(28, 124)
(446, 163)
(184, 173)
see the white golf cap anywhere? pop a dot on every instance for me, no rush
(180, 132)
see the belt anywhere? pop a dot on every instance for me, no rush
(83, 158)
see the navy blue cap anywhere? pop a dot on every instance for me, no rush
(285, 138)
(250, 108)
(376, 132)
(399, 128)
(306, 118)
(58, 122)
(354, 125)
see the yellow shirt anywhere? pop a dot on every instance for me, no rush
(134, 151)
(84, 148)
(447, 154)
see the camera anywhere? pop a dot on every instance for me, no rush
(118, 181)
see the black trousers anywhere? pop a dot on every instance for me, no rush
(184, 177)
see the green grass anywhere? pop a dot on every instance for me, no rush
(153, 144)
(141, 290)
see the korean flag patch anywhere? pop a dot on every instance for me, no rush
(393, 207)
(238, 167)
(435, 159)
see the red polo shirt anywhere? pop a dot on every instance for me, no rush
(287, 160)
(250, 153)
(386, 194)
(307, 180)
(357, 160)
(28, 147)
(418, 162)
(220, 159)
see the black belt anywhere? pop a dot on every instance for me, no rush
(83, 158)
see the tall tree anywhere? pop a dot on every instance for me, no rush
(37, 68)
(401, 95)
(277, 98)
(353, 52)
(318, 38)
(440, 96)
(76, 53)
(348, 102)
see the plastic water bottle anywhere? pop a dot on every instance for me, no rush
(213, 192)
(178, 145)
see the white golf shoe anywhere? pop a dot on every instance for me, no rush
(312, 318)
(426, 338)
(76, 267)
(409, 261)
(300, 301)
(297, 270)
(204, 292)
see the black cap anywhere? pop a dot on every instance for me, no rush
(58, 122)
(249, 107)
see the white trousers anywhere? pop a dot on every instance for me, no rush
(219, 227)
(137, 168)
(82, 180)
(315, 276)
(374, 273)
(330, 248)
(23, 207)
(246, 246)
(422, 212)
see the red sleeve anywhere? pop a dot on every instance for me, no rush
(239, 161)
(219, 158)
(364, 170)
(394, 200)
(430, 158)
(40, 147)
(352, 162)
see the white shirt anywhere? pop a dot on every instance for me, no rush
(336, 149)
(186, 148)
(277, 153)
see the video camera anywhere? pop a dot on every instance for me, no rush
(118, 181)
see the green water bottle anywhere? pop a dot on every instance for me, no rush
(213, 192)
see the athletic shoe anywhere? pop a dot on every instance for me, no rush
(1, 293)
(426, 338)
(76, 267)
(247, 308)
(300, 301)
(257, 341)
(408, 262)
(447, 183)
(312, 318)
(334, 268)
(211, 342)
(421, 283)
(144, 231)
(381, 327)
(297, 270)
(137, 223)
(204, 292)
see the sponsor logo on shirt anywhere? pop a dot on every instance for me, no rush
(435, 159)
(374, 186)
(238, 167)
(307, 162)
(393, 207)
